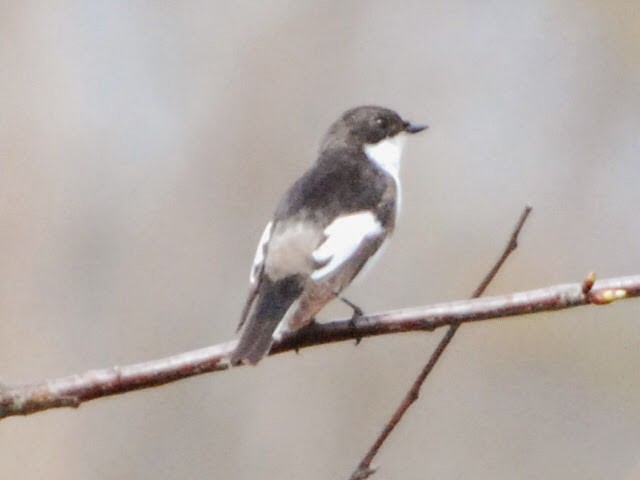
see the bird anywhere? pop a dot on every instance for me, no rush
(327, 226)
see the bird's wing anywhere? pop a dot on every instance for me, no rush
(346, 245)
(349, 241)
(258, 261)
(255, 275)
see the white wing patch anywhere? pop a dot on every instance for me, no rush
(259, 258)
(387, 154)
(344, 236)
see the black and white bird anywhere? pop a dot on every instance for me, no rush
(326, 227)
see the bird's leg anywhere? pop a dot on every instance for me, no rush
(357, 313)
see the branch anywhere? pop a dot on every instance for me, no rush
(74, 390)
(364, 469)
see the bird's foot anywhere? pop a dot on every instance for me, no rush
(357, 313)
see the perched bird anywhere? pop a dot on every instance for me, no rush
(326, 227)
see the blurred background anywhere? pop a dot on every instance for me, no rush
(144, 145)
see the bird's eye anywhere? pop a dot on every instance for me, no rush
(382, 123)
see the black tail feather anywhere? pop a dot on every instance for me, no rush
(273, 301)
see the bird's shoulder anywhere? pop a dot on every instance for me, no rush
(341, 181)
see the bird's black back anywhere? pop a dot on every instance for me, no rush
(342, 181)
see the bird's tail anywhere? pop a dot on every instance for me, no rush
(272, 302)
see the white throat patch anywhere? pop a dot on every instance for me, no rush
(386, 154)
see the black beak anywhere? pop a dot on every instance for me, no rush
(414, 127)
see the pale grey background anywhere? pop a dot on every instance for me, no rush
(143, 146)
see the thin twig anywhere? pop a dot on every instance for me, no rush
(74, 390)
(364, 469)
(510, 247)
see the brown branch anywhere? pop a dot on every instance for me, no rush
(74, 390)
(364, 469)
